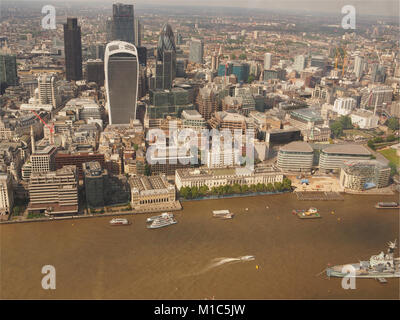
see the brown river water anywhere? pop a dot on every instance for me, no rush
(195, 258)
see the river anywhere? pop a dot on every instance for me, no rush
(196, 258)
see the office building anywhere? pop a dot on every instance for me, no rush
(47, 90)
(73, 50)
(138, 33)
(332, 157)
(296, 156)
(207, 101)
(267, 61)
(123, 26)
(358, 66)
(54, 193)
(344, 106)
(214, 177)
(6, 193)
(96, 184)
(43, 160)
(151, 191)
(121, 68)
(95, 71)
(364, 119)
(166, 59)
(299, 63)
(8, 71)
(196, 50)
(77, 159)
(360, 175)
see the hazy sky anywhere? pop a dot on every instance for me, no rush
(369, 7)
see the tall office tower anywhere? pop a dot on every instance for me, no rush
(8, 71)
(109, 30)
(358, 66)
(142, 54)
(73, 49)
(138, 33)
(96, 184)
(123, 26)
(378, 73)
(178, 39)
(121, 68)
(6, 193)
(214, 61)
(267, 61)
(166, 59)
(299, 63)
(43, 160)
(196, 51)
(95, 71)
(47, 90)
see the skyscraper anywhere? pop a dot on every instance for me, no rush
(121, 67)
(358, 66)
(47, 90)
(166, 59)
(196, 51)
(267, 61)
(299, 63)
(138, 33)
(123, 26)
(95, 71)
(73, 49)
(8, 71)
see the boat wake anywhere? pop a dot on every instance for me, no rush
(217, 262)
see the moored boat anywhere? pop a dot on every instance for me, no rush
(222, 214)
(163, 215)
(387, 205)
(311, 213)
(162, 222)
(119, 222)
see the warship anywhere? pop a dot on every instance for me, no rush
(378, 266)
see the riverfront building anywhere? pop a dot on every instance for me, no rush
(226, 176)
(6, 193)
(154, 190)
(96, 184)
(364, 174)
(333, 157)
(295, 156)
(54, 192)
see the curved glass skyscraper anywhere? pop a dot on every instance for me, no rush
(121, 68)
(166, 42)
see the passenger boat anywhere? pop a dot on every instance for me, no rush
(119, 222)
(163, 215)
(311, 213)
(161, 222)
(387, 205)
(222, 214)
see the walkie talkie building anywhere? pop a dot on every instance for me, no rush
(121, 68)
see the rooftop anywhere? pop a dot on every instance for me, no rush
(297, 146)
(353, 149)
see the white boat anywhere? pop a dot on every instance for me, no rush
(119, 222)
(161, 222)
(247, 258)
(223, 214)
(163, 215)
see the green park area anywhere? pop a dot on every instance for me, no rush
(390, 154)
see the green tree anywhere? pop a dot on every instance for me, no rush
(250, 79)
(278, 186)
(337, 129)
(270, 187)
(371, 144)
(147, 170)
(245, 188)
(233, 57)
(242, 56)
(393, 124)
(287, 184)
(393, 168)
(390, 138)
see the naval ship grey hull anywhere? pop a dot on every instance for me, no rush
(336, 271)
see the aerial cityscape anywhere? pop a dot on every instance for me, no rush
(121, 117)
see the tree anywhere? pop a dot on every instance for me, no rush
(270, 187)
(278, 186)
(250, 79)
(147, 170)
(346, 122)
(287, 184)
(393, 168)
(233, 57)
(371, 144)
(393, 124)
(390, 138)
(242, 56)
(337, 129)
